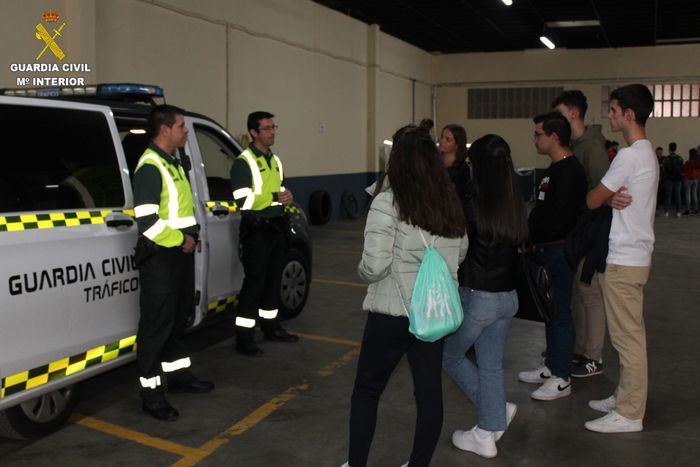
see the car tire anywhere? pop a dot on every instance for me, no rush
(294, 285)
(40, 416)
(320, 207)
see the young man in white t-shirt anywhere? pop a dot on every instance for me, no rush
(635, 170)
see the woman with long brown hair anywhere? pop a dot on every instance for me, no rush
(416, 199)
(454, 153)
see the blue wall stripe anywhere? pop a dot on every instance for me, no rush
(337, 184)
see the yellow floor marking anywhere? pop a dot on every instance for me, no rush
(269, 407)
(332, 340)
(135, 436)
(333, 282)
(342, 361)
(242, 426)
(191, 456)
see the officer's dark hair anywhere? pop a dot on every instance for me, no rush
(636, 97)
(672, 147)
(255, 117)
(162, 115)
(554, 122)
(573, 98)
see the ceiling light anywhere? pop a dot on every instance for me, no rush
(549, 44)
(387, 142)
(574, 24)
(507, 2)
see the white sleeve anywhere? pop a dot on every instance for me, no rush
(618, 174)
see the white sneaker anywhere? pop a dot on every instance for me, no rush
(538, 375)
(470, 441)
(511, 410)
(613, 422)
(604, 405)
(553, 388)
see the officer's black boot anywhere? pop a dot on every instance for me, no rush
(273, 331)
(245, 343)
(155, 404)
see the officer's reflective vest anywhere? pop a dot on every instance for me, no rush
(265, 182)
(176, 208)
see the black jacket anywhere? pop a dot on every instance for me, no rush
(589, 239)
(489, 266)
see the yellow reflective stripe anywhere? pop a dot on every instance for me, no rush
(150, 383)
(181, 222)
(245, 322)
(267, 314)
(254, 171)
(279, 166)
(173, 206)
(51, 371)
(143, 210)
(155, 230)
(230, 205)
(169, 367)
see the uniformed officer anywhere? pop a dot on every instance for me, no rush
(165, 253)
(257, 180)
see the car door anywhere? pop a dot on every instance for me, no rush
(213, 152)
(69, 295)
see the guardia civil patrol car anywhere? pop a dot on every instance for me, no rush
(68, 285)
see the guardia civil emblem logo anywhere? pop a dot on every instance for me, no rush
(49, 40)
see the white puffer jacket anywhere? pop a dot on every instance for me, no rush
(392, 255)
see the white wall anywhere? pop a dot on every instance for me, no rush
(404, 86)
(303, 62)
(309, 64)
(586, 70)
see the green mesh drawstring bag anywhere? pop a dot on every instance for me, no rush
(435, 309)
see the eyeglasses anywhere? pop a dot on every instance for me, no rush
(268, 128)
(538, 134)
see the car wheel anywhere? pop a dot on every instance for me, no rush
(294, 286)
(38, 417)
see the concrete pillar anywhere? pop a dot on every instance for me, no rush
(372, 101)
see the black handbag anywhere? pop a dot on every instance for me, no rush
(534, 288)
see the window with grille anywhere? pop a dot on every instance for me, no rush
(674, 100)
(510, 102)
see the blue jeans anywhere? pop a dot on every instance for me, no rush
(487, 317)
(560, 332)
(672, 190)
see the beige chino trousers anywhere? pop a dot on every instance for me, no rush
(623, 294)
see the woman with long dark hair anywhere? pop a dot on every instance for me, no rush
(453, 150)
(497, 225)
(416, 199)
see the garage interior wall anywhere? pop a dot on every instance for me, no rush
(587, 70)
(303, 62)
(337, 86)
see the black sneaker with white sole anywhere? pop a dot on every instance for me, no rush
(586, 368)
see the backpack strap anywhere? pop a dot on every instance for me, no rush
(425, 243)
